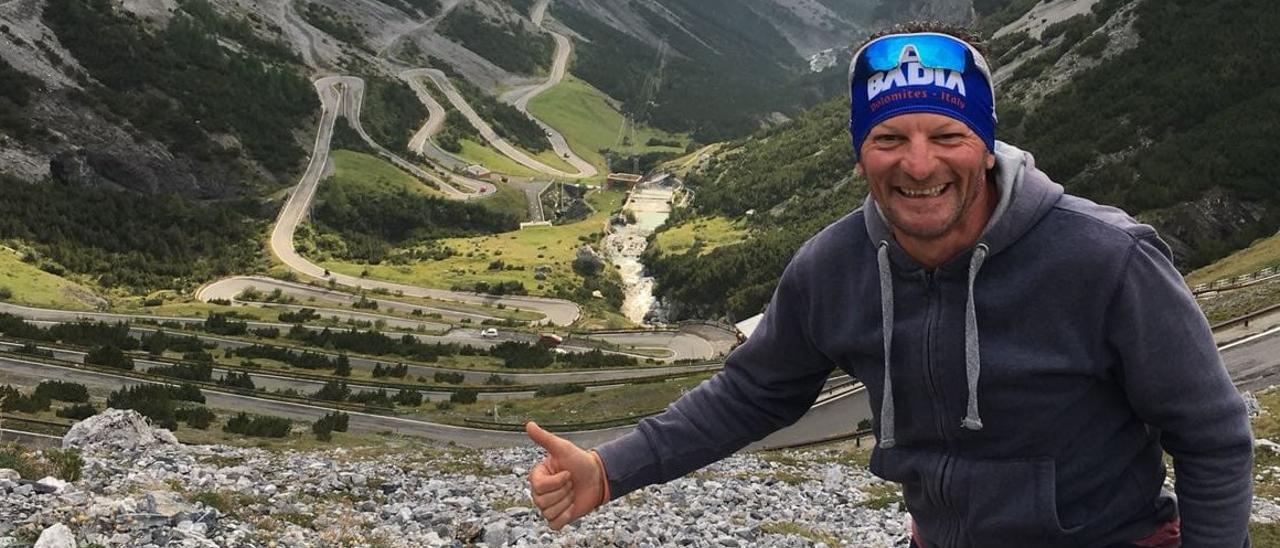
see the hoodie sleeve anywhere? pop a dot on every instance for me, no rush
(1176, 381)
(767, 383)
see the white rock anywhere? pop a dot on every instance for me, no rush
(56, 536)
(55, 483)
(116, 431)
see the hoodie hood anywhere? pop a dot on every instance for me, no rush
(1026, 195)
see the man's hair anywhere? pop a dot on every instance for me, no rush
(939, 27)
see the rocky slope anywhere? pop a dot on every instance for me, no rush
(140, 489)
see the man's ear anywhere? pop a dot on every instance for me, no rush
(857, 169)
(991, 160)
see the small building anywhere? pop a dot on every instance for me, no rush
(478, 171)
(622, 180)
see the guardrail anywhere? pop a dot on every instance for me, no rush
(564, 426)
(486, 389)
(1237, 282)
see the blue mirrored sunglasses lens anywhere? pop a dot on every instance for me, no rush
(941, 52)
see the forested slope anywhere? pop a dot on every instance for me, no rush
(1180, 130)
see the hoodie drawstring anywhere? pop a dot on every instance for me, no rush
(886, 314)
(972, 357)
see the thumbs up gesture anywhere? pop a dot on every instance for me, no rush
(569, 483)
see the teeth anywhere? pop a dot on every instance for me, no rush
(931, 191)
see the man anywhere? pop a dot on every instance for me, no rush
(1029, 354)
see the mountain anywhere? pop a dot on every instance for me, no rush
(1121, 101)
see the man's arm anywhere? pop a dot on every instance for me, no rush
(1176, 381)
(767, 383)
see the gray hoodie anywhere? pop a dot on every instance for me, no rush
(1033, 381)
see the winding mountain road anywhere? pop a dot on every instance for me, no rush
(341, 94)
(520, 97)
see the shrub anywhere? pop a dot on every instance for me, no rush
(63, 391)
(79, 412)
(154, 401)
(549, 390)
(14, 457)
(333, 391)
(464, 396)
(258, 426)
(188, 372)
(109, 356)
(196, 417)
(449, 377)
(232, 379)
(13, 400)
(66, 464)
(5, 293)
(332, 422)
(408, 398)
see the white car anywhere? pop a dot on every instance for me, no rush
(489, 333)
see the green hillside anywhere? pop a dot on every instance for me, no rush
(591, 124)
(1184, 114)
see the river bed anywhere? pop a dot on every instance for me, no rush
(650, 204)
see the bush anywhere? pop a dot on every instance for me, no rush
(333, 391)
(222, 324)
(16, 458)
(12, 400)
(200, 372)
(66, 464)
(63, 391)
(154, 401)
(449, 377)
(464, 396)
(79, 411)
(398, 371)
(498, 380)
(332, 422)
(408, 397)
(5, 293)
(258, 426)
(109, 356)
(187, 392)
(549, 390)
(196, 417)
(232, 379)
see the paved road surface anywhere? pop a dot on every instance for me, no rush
(520, 97)
(362, 422)
(332, 90)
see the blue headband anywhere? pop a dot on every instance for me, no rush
(920, 72)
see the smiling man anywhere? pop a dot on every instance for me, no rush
(1030, 355)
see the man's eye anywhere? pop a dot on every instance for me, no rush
(950, 137)
(888, 139)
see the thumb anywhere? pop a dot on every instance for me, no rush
(551, 442)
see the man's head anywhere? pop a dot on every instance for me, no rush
(922, 119)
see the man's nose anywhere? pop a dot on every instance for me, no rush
(919, 161)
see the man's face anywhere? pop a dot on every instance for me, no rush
(925, 170)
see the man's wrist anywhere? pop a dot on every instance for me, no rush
(604, 478)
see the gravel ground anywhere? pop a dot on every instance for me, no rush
(138, 489)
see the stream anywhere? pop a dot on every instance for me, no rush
(650, 204)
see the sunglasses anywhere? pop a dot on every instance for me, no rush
(932, 50)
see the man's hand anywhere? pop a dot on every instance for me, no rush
(568, 483)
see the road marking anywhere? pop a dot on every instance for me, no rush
(1250, 338)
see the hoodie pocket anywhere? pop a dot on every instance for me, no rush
(1006, 502)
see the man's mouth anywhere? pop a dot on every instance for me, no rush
(923, 192)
